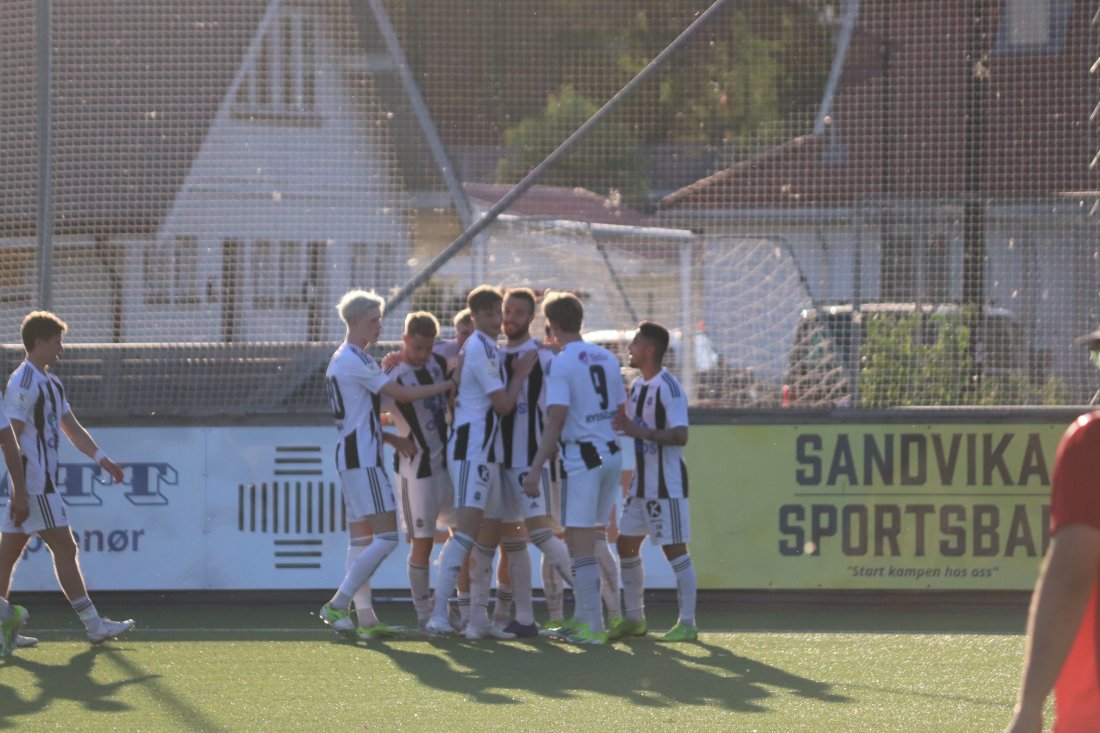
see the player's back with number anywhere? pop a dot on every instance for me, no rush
(353, 380)
(586, 378)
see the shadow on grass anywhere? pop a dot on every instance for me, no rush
(641, 673)
(72, 681)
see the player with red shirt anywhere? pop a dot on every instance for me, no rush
(1061, 632)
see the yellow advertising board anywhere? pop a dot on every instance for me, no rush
(871, 506)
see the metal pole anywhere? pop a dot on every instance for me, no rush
(529, 180)
(44, 59)
(423, 116)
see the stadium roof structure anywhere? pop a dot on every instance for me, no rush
(897, 125)
(125, 131)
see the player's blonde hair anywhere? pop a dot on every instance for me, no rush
(462, 316)
(357, 303)
(421, 323)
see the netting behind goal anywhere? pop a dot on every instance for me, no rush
(830, 203)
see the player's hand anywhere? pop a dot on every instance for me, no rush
(19, 507)
(531, 483)
(1026, 721)
(112, 468)
(524, 363)
(391, 359)
(405, 446)
(623, 424)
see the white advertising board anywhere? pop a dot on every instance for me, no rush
(217, 508)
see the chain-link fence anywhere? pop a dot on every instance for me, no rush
(831, 202)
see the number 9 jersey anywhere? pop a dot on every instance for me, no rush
(587, 379)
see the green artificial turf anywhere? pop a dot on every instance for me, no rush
(274, 668)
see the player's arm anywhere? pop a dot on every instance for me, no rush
(548, 447)
(677, 435)
(504, 400)
(83, 442)
(403, 393)
(1057, 606)
(18, 503)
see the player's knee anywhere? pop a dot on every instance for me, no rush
(674, 551)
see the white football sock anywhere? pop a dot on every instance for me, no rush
(633, 588)
(686, 588)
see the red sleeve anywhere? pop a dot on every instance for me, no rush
(1075, 494)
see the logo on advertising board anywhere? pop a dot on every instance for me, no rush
(918, 505)
(79, 484)
(296, 507)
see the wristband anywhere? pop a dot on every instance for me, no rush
(99, 456)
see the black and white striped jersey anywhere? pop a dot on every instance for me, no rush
(658, 403)
(353, 380)
(521, 429)
(37, 399)
(423, 421)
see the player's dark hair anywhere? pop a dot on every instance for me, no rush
(421, 323)
(483, 298)
(525, 294)
(40, 325)
(655, 334)
(564, 310)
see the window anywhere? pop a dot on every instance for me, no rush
(17, 275)
(280, 85)
(263, 274)
(1033, 26)
(185, 271)
(292, 274)
(373, 265)
(153, 276)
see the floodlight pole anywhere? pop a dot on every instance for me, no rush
(529, 180)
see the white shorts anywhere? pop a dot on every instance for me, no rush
(588, 495)
(518, 505)
(46, 512)
(666, 521)
(367, 491)
(476, 486)
(425, 503)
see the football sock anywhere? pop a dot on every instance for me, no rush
(609, 576)
(586, 589)
(420, 589)
(481, 580)
(519, 566)
(555, 549)
(686, 588)
(553, 590)
(450, 565)
(364, 566)
(502, 609)
(364, 610)
(633, 588)
(85, 609)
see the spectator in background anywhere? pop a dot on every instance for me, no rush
(1062, 640)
